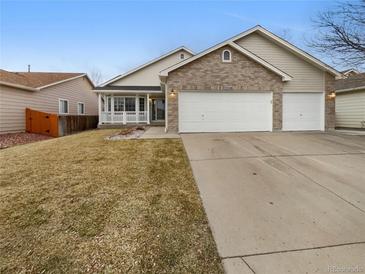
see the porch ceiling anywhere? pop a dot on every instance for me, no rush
(129, 89)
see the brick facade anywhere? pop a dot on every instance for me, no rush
(330, 106)
(209, 73)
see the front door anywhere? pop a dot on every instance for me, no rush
(158, 109)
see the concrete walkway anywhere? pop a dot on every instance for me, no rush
(156, 132)
(283, 202)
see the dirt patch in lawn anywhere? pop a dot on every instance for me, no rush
(126, 134)
(83, 204)
(13, 139)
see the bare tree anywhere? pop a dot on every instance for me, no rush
(341, 33)
(96, 76)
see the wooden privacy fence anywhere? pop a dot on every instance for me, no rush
(57, 125)
(41, 122)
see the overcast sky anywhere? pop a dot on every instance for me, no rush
(115, 36)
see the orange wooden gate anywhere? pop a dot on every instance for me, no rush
(41, 122)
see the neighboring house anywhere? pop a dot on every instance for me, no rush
(350, 102)
(349, 73)
(62, 93)
(254, 81)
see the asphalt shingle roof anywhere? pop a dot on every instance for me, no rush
(35, 79)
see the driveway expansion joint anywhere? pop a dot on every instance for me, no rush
(291, 250)
(253, 271)
(277, 156)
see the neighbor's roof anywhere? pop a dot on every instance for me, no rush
(259, 29)
(349, 70)
(35, 80)
(146, 64)
(354, 82)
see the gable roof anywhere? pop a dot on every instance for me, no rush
(146, 64)
(259, 29)
(285, 76)
(36, 80)
(350, 70)
(355, 82)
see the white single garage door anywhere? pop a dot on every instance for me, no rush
(303, 111)
(350, 109)
(224, 112)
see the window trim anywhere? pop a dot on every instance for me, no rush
(60, 107)
(230, 56)
(78, 108)
(182, 56)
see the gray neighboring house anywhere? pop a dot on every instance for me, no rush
(254, 81)
(60, 93)
(350, 102)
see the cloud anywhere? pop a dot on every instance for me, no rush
(238, 16)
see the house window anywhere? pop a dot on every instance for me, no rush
(226, 56)
(141, 103)
(109, 104)
(130, 104)
(118, 103)
(63, 106)
(182, 56)
(80, 108)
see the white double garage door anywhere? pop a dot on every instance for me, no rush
(242, 111)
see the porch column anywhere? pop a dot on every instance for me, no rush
(112, 108)
(148, 109)
(99, 108)
(137, 109)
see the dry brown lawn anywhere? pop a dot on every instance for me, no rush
(83, 204)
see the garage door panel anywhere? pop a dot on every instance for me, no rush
(224, 112)
(303, 111)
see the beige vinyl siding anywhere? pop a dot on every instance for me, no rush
(14, 101)
(149, 76)
(350, 109)
(306, 77)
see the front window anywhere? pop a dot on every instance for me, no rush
(80, 108)
(125, 103)
(118, 103)
(109, 104)
(130, 104)
(63, 106)
(141, 104)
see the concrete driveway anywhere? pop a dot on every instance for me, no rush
(283, 202)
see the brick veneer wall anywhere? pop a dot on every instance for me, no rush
(209, 73)
(330, 106)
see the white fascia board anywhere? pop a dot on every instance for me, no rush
(285, 76)
(146, 64)
(350, 89)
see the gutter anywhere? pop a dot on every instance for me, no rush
(18, 86)
(350, 89)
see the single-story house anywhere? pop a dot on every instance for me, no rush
(350, 102)
(62, 93)
(254, 81)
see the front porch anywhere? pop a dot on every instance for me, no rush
(117, 109)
